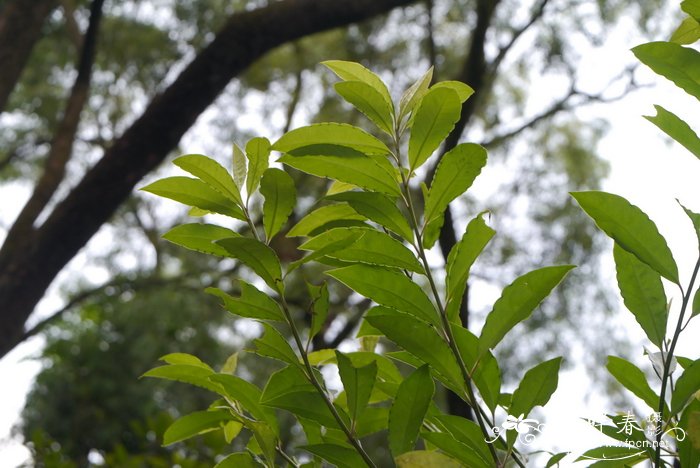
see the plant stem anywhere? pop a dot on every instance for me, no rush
(317, 385)
(669, 358)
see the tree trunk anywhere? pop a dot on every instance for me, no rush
(29, 263)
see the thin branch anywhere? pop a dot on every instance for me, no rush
(62, 143)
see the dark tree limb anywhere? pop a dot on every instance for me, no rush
(20, 29)
(296, 92)
(28, 264)
(64, 137)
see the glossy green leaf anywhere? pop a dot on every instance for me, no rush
(674, 62)
(687, 32)
(257, 256)
(517, 302)
(237, 460)
(673, 126)
(388, 288)
(483, 368)
(239, 167)
(280, 197)
(358, 383)
(412, 95)
(378, 208)
(633, 379)
(408, 410)
(536, 387)
(341, 456)
(454, 175)
(191, 374)
(248, 395)
(460, 260)
(258, 153)
(434, 119)
(686, 386)
(327, 249)
(194, 424)
(299, 140)
(466, 432)
(463, 90)
(319, 309)
(289, 389)
(274, 345)
(368, 101)
(643, 294)
(352, 71)
(345, 165)
(194, 192)
(631, 229)
(183, 358)
(200, 237)
(420, 340)
(458, 450)
(326, 216)
(426, 459)
(371, 247)
(211, 173)
(252, 303)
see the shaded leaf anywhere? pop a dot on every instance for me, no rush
(327, 249)
(483, 368)
(194, 424)
(313, 223)
(252, 303)
(257, 256)
(466, 432)
(378, 208)
(342, 456)
(425, 459)
(633, 379)
(687, 32)
(237, 460)
(536, 387)
(248, 395)
(200, 237)
(280, 197)
(408, 410)
(412, 95)
(191, 374)
(357, 382)
(686, 386)
(321, 303)
(458, 450)
(275, 346)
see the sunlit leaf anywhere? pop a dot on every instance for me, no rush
(240, 168)
(257, 256)
(326, 134)
(352, 71)
(258, 153)
(413, 94)
(211, 173)
(463, 90)
(369, 101)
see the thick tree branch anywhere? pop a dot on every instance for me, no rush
(28, 266)
(20, 29)
(62, 143)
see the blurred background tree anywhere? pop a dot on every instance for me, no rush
(104, 91)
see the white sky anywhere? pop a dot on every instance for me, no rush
(644, 168)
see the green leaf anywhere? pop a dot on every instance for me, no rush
(633, 379)
(358, 383)
(463, 90)
(618, 455)
(676, 128)
(239, 167)
(466, 432)
(674, 62)
(460, 260)
(686, 386)
(517, 302)
(258, 152)
(371, 247)
(237, 460)
(321, 303)
(326, 216)
(536, 387)
(275, 346)
(388, 288)
(265, 438)
(695, 219)
(378, 208)
(431, 232)
(412, 95)
(555, 459)
(231, 364)
(194, 192)
(352, 71)
(692, 8)
(408, 410)
(420, 340)
(253, 303)
(484, 369)
(257, 256)
(346, 165)
(183, 358)
(330, 134)
(696, 304)
(248, 395)
(643, 294)
(211, 173)
(341, 456)
(194, 424)
(327, 249)
(454, 175)
(687, 32)
(631, 228)
(689, 448)
(191, 374)
(426, 459)
(200, 237)
(290, 390)
(368, 101)
(458, 450)
(434, 119)
(280, 197)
